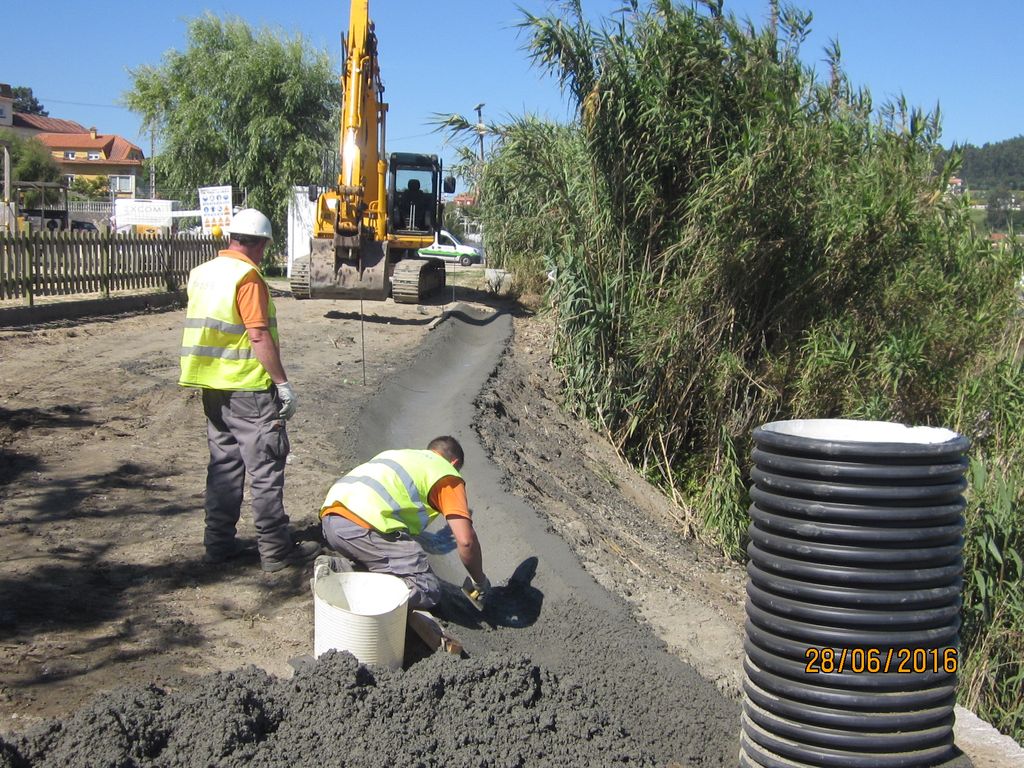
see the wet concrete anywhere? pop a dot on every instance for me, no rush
(558, 672)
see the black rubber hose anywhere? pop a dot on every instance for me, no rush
(769, 437)
(853, 618)
(834, 758)
(858, 681)
(799, 690)
(886, 655)
(859, 739)
(833, 717)
(853, 594)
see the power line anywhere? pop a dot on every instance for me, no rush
(79, 103)
(414, 136)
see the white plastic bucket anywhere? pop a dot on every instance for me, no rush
(362, 613)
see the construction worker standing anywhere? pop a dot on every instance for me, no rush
(230, 350)
(371, 515)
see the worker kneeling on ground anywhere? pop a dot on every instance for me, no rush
(371, 515)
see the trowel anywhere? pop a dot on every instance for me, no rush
(474, 595)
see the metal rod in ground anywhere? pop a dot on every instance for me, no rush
(362, 339)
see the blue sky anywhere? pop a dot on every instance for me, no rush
(449, 55)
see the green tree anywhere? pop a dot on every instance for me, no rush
(1002, 210)
(250, 109)
(997, 207)
(453, 221)
(30, 161)
(1000, 164)
(91, 187)
(26, 103)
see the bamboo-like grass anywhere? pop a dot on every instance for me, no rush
(733, 242)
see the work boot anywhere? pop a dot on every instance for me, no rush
(236, 550)
(301, 553)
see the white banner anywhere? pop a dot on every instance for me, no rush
(215, 204)
(151, 213)
(301, 217)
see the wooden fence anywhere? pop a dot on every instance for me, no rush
(79, 263)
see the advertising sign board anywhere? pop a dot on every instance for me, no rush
(215, 204)
(147, 213)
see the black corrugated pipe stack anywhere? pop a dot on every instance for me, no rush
(853, 594)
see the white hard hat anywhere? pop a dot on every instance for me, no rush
(251, 222)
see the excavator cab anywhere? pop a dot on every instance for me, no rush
(415, 215)
(414, 196)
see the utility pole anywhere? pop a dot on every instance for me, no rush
(8, 219)
(152, 163)
(480, 127)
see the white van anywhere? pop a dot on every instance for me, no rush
(447, 247)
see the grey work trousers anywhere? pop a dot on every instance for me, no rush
(396, 553)
(245, 434)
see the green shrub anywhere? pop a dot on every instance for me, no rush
(992, 675)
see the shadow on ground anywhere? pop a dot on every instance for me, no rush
(378, 319)
(515, 604)
(75, 598)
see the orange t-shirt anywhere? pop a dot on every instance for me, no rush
(448, 496)
(252, 297)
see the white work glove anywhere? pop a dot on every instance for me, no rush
(289, 400)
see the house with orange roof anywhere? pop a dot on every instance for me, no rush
(89, 154)
(78, 151)
(33, 125)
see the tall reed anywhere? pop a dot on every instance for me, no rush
(733, 241)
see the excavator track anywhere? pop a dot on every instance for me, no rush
(300, 279)
(415, 279)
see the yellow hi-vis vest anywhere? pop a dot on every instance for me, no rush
(391, 492)
(215, 349)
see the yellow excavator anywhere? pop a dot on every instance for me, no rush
(369, 226)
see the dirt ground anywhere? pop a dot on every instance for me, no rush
(102, 459)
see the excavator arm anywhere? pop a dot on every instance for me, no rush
(356, 207)
(357, 250)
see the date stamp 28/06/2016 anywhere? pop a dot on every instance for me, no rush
(908, 661)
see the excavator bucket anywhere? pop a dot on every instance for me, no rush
(327, 275)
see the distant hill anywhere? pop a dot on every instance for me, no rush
(998, 165)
